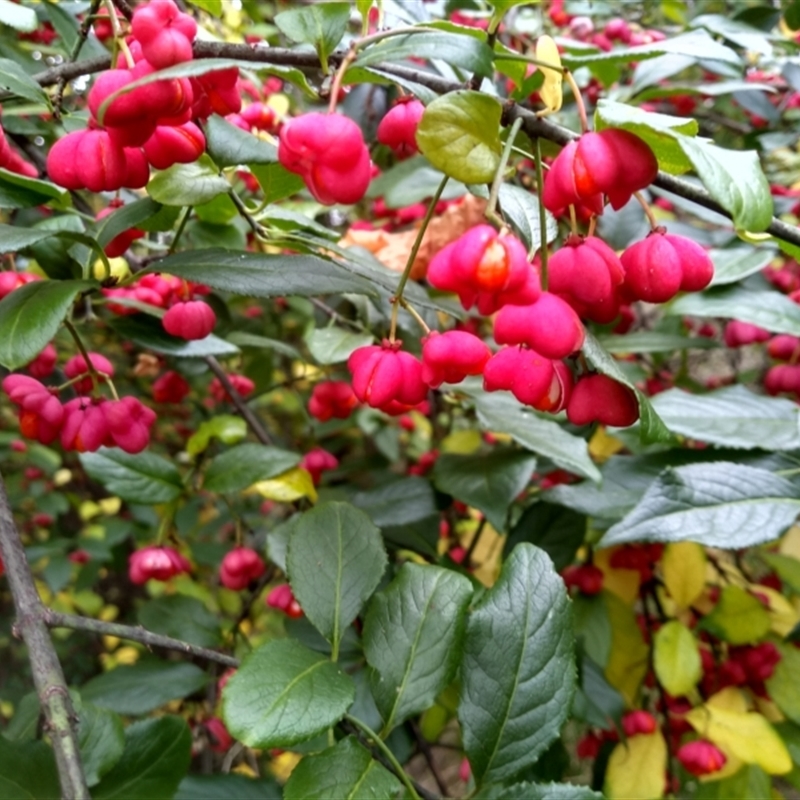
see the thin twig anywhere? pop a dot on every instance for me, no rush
(124, 9)
(249, 417)
(55, 619)
(48, 677)
(425, 748)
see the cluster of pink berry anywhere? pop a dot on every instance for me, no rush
(156, 563)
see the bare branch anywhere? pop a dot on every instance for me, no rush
(48, 677)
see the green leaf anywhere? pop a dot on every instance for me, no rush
(735, 263)
(229, 429)
(31, 316)
(489, 482)
(282, 694)
(537, 791)
(129, 216)
(501, 413)
(737, 618)
(458, 50)
(412, 181)
(413, 638)
(592, 628)
(213, 7)
(230, 146)
(138, 688)
(142, 478)
(246, 464)
(732, 417)
(156, 757)
(787, 569)
(243, 339)
(18, 82)
(276, 181)
(782, 685)
(768, 309)
(521, 209)
(225, 787)
(102, 740)
(335, 561)
(14, 238)
(21, 18)
(187, 184)
(676, 658)
(181, 617)
(651, 426)
(518, 670)
(19, 191)
(556, 530)
(653, 342)
(322, 25)
(263, 275)
(334, 345)
(718, 504)
(148, 332)
(346, 771)
(27, 769)
(23, 725)
(459, 135)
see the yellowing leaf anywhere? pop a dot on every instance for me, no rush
(281, 766)
(637, 768)
(287, 487)
(747, 735)
(676, 658)
(551, 93)
(627, 663)
(790, 543)
(683, 567)
(729, 699)
(62, 477)
(462, 442)
(602, 445)
(738, 617)
(110, 505)
(622, 582)
(782, 614)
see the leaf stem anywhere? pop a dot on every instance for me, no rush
(388, 754)
(542, 215)
(499, 176)
(176, 238)
(397, 300)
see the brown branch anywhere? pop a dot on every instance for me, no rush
(48, 677)
(124, 9)
(55, 619)
(534, 126)
(249, 417)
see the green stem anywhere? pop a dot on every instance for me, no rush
(176, 238)
(381, 745)
(494, 194)
(542, 215)
(398, 298)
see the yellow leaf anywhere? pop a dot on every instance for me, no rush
(110, 505)
(790, 543)
(62, 477)
(279, 103)
(730, 699)
(551, 93)
(782, 614)
(676, 658)
(287, 487)
(622, 582)
(88, 509)
(462, 442)
(627, 662)
(637, 768)
(281, 766)
(748, 736)
(683, 567)
(602, 445)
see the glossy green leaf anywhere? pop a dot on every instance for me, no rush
(346, 771)
(101, 737)
(521, 208)
(22, 727)
(653, 342)
(181, 617)
(19, 17)
(142, 478)
(226, 787)
(718, 504)
(230, 146)
(768, 309)
(735, 263)
(410, 181)
(322, 25)
(138, 688)
(284, 693)
(556, 530)
(676, 658)
(737, 618)
(276, 181)
(413, 637)
(229, 429)
(334, 345)
(14, 238)
(128, 216)
(19, 191)
(246, 464)
(27, 769)
(214, 7)
(31, 316)
(518, 670)
(459, 135)
(537, 791)
(651, 426)
(335, 561)
(592, 627)
(489, 482)
(262, 274)
(156, 757)
(458, 50)
(148, 332)
(731, 417)
(18, 82)
(501, 413)
(187, 184)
